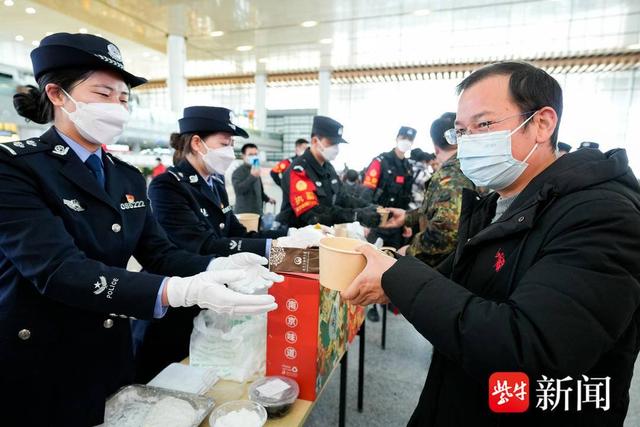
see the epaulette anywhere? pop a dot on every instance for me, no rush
(116, 159)
(21, 148)
(175, 173)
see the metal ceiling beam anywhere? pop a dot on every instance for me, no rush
(576, 64)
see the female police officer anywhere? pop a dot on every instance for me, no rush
(191, 204)
(70, 218)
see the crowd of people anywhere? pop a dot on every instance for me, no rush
(511, 255)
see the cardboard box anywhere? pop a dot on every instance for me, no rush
(309, 332)
(294, 260)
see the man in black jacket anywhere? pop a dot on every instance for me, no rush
(545, 277)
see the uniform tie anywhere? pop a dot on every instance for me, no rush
(95, 166)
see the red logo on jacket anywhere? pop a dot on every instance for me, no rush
(500, 261)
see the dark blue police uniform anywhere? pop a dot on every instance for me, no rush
(65, 296)
(197, 217)
(65, 239)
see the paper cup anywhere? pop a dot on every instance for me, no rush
(341, 230)
(384, 215)
(339, 262)
(249, 220)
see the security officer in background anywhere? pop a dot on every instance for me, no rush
(191, 204)
(312, 191)
(389, 176)
(279, 169)
(71, 216)
(388, 181)
(436, 222)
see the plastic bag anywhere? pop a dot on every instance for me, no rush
(235, 346)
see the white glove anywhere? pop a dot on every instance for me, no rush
(255, 277)
(302, 238)
(208, 290)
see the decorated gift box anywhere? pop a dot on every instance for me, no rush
(308, 333)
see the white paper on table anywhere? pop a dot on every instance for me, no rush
(273, 388)
(189, 379)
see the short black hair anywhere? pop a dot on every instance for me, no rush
(351, 175)
(530, 87)
(439, 127)
(564, 147)
(301, 141)
(248, 145)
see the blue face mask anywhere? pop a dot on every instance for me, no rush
(486, 159)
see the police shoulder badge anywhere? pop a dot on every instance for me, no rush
(60, 150)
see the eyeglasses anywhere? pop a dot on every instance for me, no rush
(452, 135)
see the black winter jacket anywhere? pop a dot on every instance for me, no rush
(552, 288)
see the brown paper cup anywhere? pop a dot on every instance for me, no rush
(339, 262)
(249, 220)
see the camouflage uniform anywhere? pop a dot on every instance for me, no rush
(439, 214)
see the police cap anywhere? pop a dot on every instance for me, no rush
(589, 144)
(64, 50)
(407, 133)
(328, 128)
(564, 147)
(209, 119)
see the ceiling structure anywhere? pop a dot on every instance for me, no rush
(231, 38)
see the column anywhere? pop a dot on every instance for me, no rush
(324, 83)
(176, 81)
(260, 110)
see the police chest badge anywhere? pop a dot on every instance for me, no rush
(73, 204)
(131, 203)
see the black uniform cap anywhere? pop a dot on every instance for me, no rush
(407, 132)
(564, 147)
(64, 50)
(328, 128)
(589, 144)
(209, 119)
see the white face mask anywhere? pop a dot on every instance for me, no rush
(404, 145)
(331, 152)
(218, 160)
(486, 158)
(98, 122)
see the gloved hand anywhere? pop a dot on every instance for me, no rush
(255, 277)
(208, 290)
(367, 216)
(302, 238)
